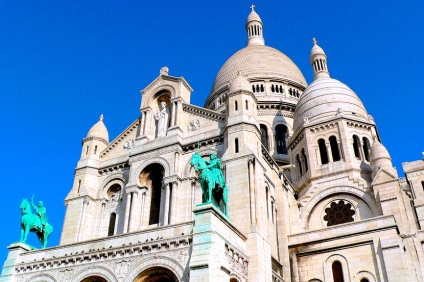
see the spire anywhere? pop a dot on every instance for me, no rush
(318, 60)
(254, 28)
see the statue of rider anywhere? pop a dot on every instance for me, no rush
(40, 210)
(215, 167)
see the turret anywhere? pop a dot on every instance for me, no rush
(96, 141)
(254, 28)
(318, 61)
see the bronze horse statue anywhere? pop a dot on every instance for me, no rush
(211, 180)
(32, 223)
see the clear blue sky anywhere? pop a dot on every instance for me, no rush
(63, 63)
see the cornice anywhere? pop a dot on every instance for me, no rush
(206, 113)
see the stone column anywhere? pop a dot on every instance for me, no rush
(143, 204)
(127, 212)
(166, 203)
(251, 167)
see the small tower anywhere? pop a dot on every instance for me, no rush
(254, 28)
(318, 61)
(96, 141)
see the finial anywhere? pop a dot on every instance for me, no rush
(164, 71)
(101, 117)
(252, 7)
(314, 41)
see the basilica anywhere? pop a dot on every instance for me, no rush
(312, 194)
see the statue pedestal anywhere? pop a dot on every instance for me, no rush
(213, 235)
(15, 250)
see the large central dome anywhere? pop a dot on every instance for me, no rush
(270, 72)
(258, 61)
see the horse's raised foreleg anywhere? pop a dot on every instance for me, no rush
(24, 233)
(225, 199)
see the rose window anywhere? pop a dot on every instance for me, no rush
(339, 212)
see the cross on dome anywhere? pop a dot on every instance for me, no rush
(101, 117)
(252, 7)
(314, 41)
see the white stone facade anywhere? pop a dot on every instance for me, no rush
(313, 195)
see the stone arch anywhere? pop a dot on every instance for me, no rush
(43, 277)
(306, 211)
(116, 178)
(158, 261)
(162, 161)
(328, 273)
(100, 271)
(161, 89)
(364, 274)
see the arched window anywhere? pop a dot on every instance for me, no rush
(112, 221)
(299, 164)
(356, 147)
(305, 160)
(151, 177)
(323, 151)
(264, 136)
(95, 149)
(337, 269)
(236, 145)
(262, 88)
(334, 149)
(366, 148)
(272, 88)
(272, 211)
(364, 280)
(247, 105)
(422, 184)
(86, 151)
(253, 89)
(280, 139)
(235, 106)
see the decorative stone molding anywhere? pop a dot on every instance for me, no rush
(296, 141)
(205, 142)
(206, 113)
(358, 125)
(237, 261)
(113, 168)
(95, 138)
(323, 127)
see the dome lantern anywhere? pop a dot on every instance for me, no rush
(318, 61)
(254, 28)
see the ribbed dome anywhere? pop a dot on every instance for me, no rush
(99, 130)
(253, 16)
(258, 61)
(378, 151)
(323, 98)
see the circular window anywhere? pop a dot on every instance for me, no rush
(338, 212)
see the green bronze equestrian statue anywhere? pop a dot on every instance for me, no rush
(214, 189)
(34, 222)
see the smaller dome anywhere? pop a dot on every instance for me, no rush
(316, 50)
(326, 98)
(253, 16)
(378, 152)
(379, 157)
(99, 130)
(240, 83)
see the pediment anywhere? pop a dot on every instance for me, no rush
(122, 144)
